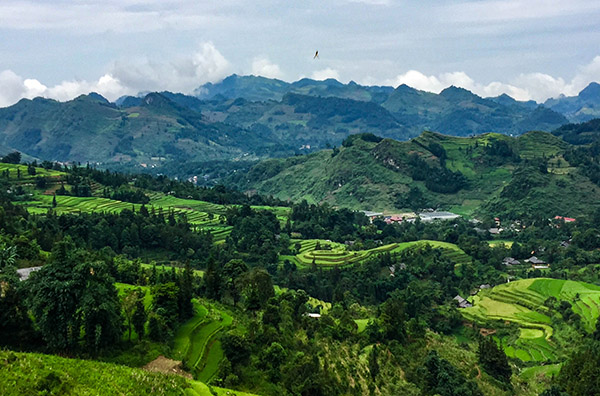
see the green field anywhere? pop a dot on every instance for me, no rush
(521, 303)
(170, 268)
(197, 341)
(337, 255)
(122, 288)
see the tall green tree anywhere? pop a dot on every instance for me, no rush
(140, 316)
(493, 359)
(55, 298)
(99, 307)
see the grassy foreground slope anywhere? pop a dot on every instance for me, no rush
(541, 330)
(38, 374)
(33, 374)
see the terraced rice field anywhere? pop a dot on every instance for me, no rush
(205, 215)
(15, 170)
(197, 341)
(337, 255)
(522, 303)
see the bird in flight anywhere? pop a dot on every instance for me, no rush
(316, 54)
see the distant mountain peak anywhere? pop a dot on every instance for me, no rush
(97, 96)
(591, 92)
(457, 93)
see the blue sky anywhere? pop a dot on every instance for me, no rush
(530, 49)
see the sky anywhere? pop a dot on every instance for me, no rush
(529, 49)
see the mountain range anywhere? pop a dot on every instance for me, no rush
(247, 118)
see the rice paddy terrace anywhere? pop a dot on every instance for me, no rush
(524, 305)
(333, 254)
(197, 341)
(204, 215)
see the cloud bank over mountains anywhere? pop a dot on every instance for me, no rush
(207, 64)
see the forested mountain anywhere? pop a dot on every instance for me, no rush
(246, 118)
(583, 107)
(578, 134)
(493, 173)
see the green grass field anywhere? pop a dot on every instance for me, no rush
(522, 303)
(338, 256)
(38, 374)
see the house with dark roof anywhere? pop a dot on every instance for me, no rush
(462, 303)
(536, 263)
(509, 261)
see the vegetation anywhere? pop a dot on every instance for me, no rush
(298, 298)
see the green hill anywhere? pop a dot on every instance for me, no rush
(492, 172)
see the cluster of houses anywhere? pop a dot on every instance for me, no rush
(427, 215)
(535, 262)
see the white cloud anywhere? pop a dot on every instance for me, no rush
(262, 66)
(508, 10)
(182, 75)
(325, 74)
(536, 86)
(125, 78)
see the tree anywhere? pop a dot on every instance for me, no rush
(373, 363)
(55, 298)
(12, 158)
(186, 293)
(257, 288)
(580, 375)
(232, 271)
(235, 347)
(15, 323)
(493, 359)
(140, 316)
(99, 307)
(31, 170)
(165, 303)
(128, 302)
(441, 378)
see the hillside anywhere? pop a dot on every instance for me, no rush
(247, 118)
(580, 108)
(582, 133)
(33, 373)
(530, 309)
(503, 175)
(458, 112)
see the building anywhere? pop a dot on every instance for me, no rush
(25, 272)
(462, 303)
(430, 216)
(509, 261)
(536, 263)
(565, 219)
